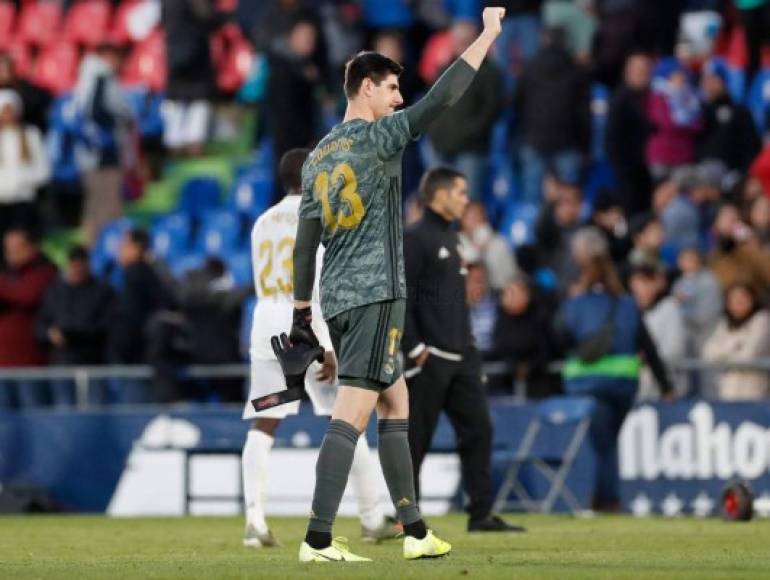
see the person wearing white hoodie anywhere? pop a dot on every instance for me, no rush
(23, 164)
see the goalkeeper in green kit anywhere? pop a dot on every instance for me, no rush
(351, 202)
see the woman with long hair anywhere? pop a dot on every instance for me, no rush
(604, 334)
(742, 335)
(23, 165)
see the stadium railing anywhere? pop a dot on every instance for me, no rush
(83, 376)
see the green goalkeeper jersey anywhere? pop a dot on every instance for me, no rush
(352, 183)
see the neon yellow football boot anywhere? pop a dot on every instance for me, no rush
(429, 547)
(337, 552)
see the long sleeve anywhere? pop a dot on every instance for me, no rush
(305, 250)
(412, 341)
(38, 171)
(652, 357)
(444, 93)
(27, 290)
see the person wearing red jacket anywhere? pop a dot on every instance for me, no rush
(23, 282)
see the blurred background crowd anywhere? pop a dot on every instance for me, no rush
(139, 140)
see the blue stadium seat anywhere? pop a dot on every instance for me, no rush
(758, 100)
(502, 179)
(182, 264)
(171, 235)
(239, 264)
(104, 254)
(219, 233)
(200, 195)
(518, 224)
(600, 105)
(252, 193)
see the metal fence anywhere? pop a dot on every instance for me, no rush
(84, 376)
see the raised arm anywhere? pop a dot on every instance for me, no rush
(456, 79)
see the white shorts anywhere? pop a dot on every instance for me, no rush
(267, 377)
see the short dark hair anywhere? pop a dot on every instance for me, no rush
(139, 238)
(77, 253)
(641, 222)
(30, 234)
(290, 169)
(368, 64)
(435, 179)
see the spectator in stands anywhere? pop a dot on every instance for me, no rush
(602, 328)
(743, 335)
(627, 131)
(23, 282)
(212, 304)
(556, 226)
(482, 243)
(755, 17)
(675, 112)
(291, 91)
(391, 43)
(646, 233)
(74, 324)
(677, 214)
(615, 39)
(141, 296)
(759, 220)
(552, 104)
(191, 76)
(729, 132)
(524, 338)
(663, 319)
(476, 111)
(737, 256)
(518, 42)
(700, 298)
(579, 22)
(608, 218)
(35, 100)
(482, 304)
(23, 165)
(106, 118)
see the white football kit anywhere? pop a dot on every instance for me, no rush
(272, 247)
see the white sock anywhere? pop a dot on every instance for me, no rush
(254, 468)
(364, 482)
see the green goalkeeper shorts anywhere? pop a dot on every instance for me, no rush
(367, 341)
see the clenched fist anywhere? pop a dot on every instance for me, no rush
(492, 18)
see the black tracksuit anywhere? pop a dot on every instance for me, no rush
(437, 318)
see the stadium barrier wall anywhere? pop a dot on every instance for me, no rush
(675, 458)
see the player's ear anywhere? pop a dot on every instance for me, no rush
(366, 87)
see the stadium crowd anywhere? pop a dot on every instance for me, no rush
(635, 125)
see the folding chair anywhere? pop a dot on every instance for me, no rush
(540, 448)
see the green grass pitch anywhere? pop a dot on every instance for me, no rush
(611, 547)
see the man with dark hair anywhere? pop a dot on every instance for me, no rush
(291, 90)
(351, 200)
(445, 373)
(552, 103)
(74, 324)
(476, 112)
(23, 281)
(729, 134)
(628, 128)
(272, 238)
(141, 296)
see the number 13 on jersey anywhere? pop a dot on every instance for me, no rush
(349, 198)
